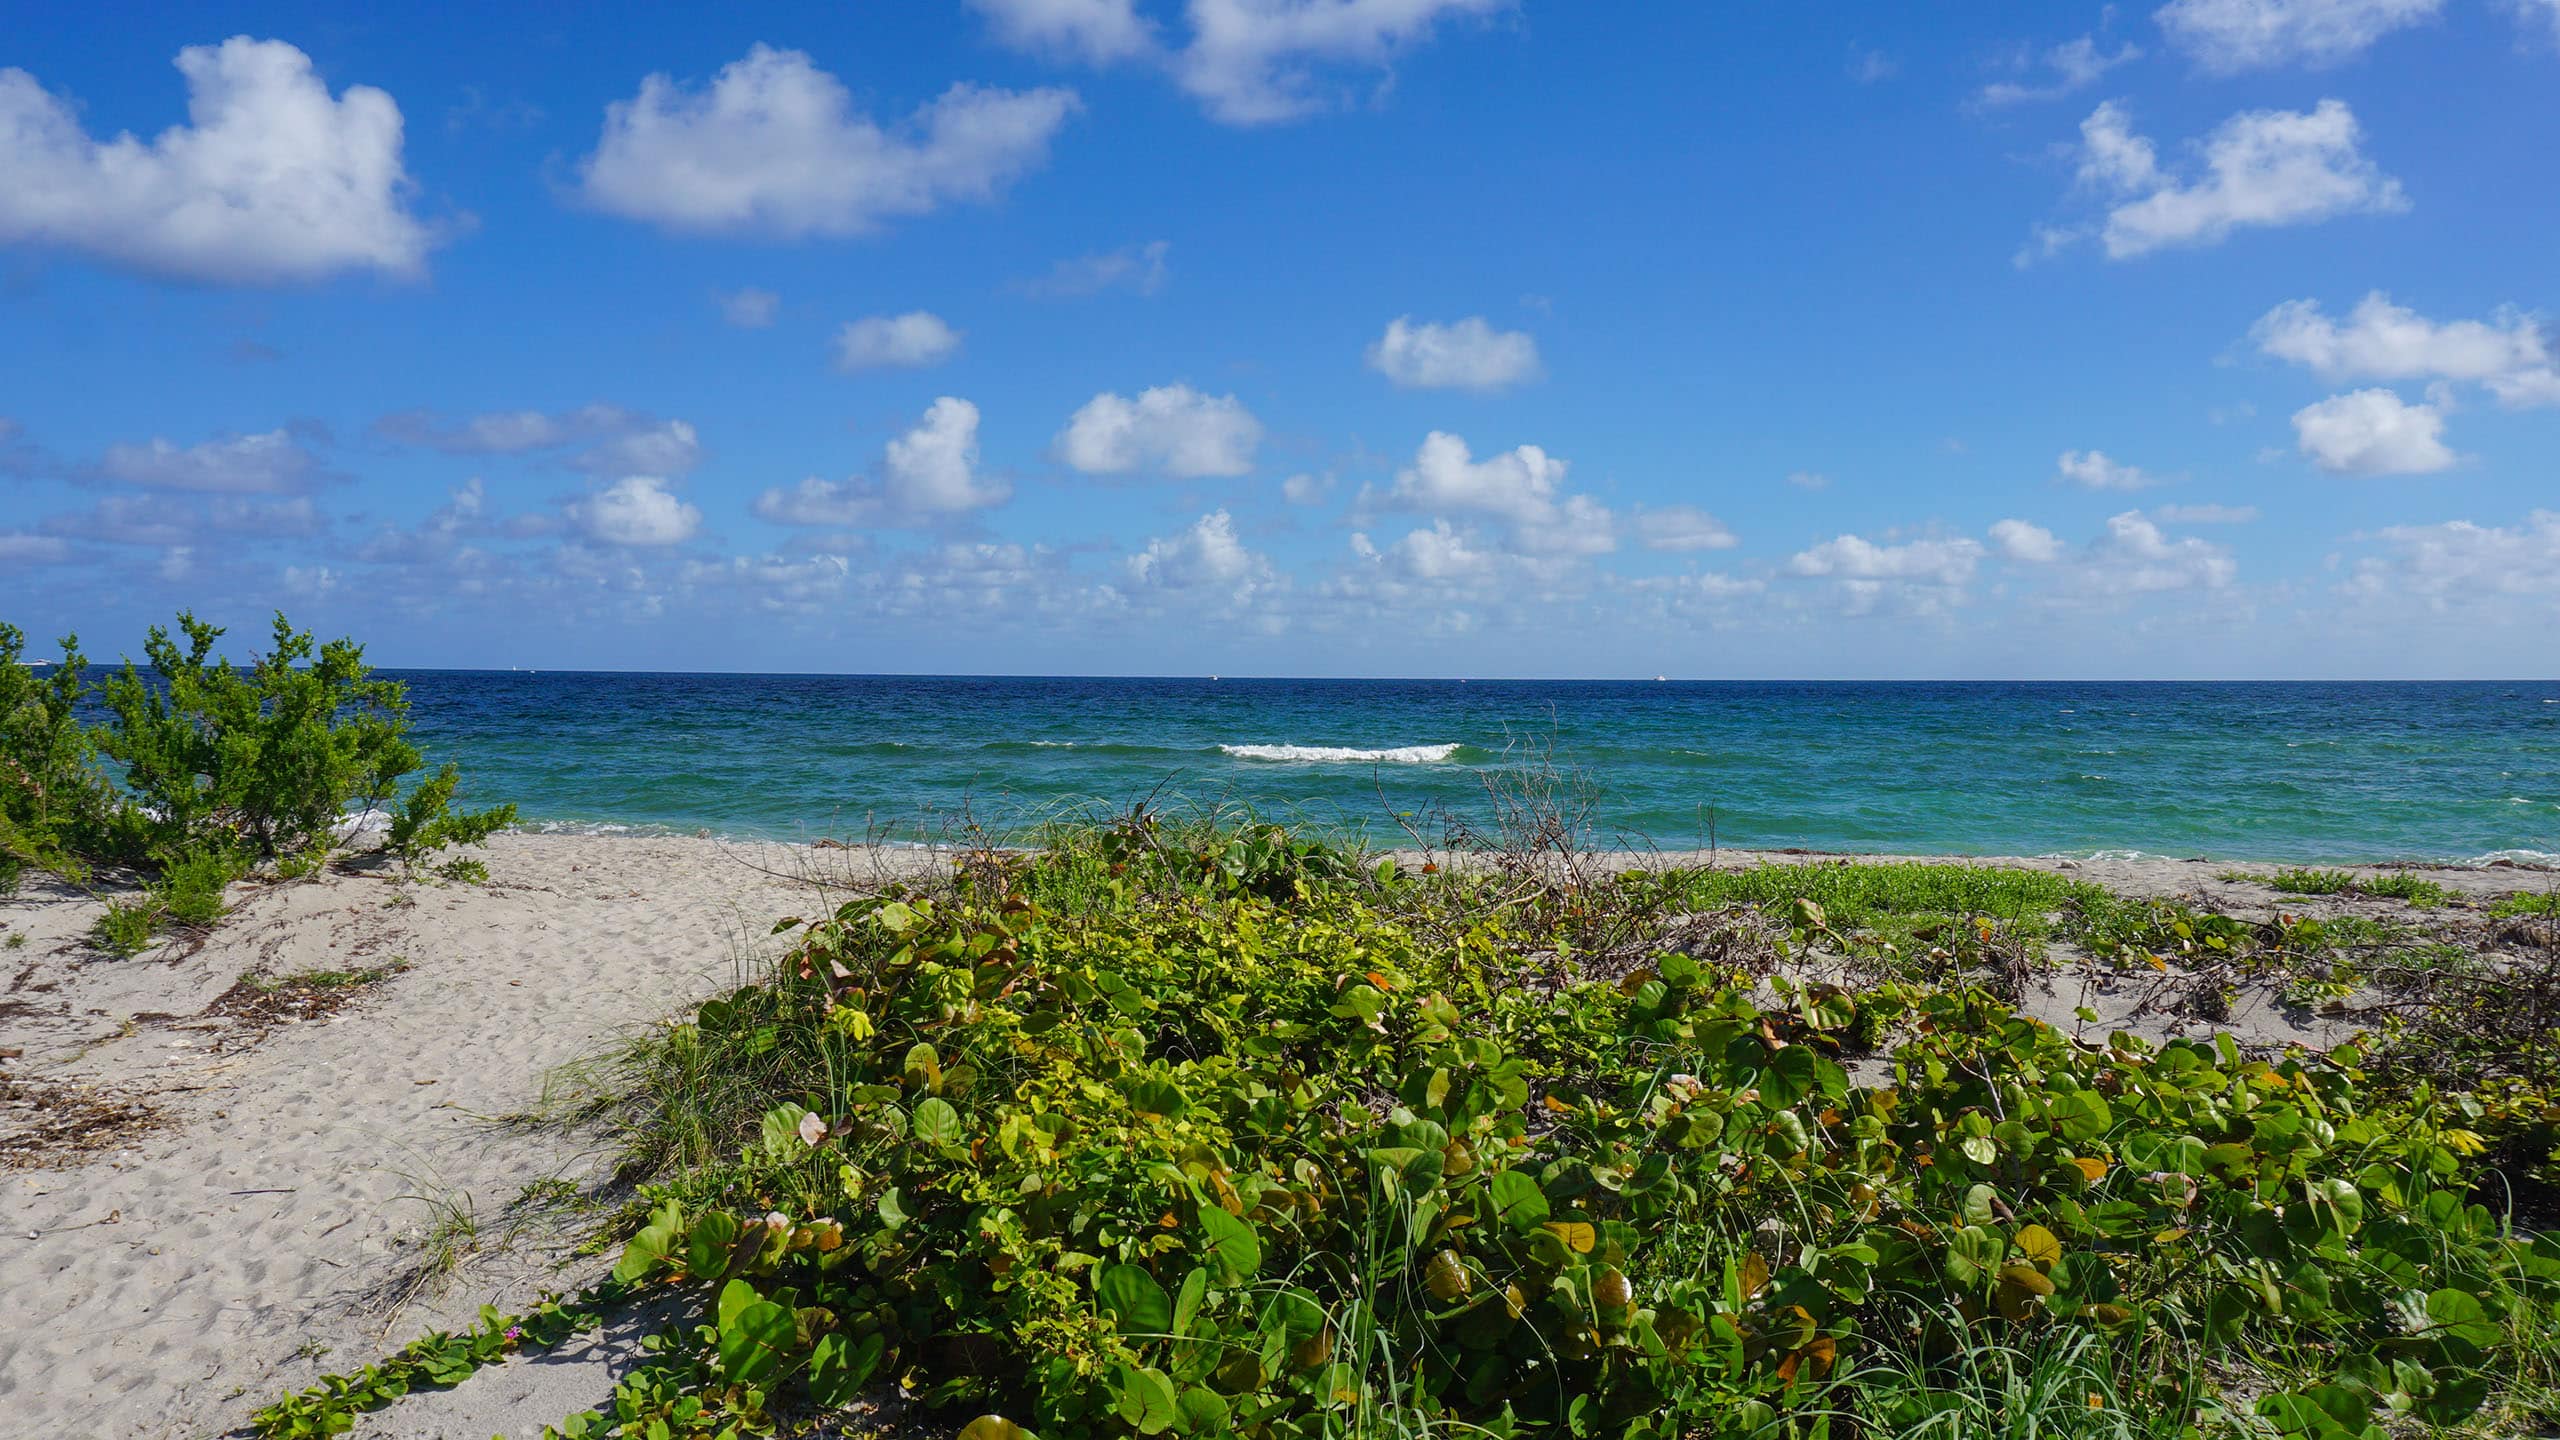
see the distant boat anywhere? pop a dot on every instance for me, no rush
(1659, 679)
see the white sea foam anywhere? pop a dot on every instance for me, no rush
(2536, 858)
(1344, 754)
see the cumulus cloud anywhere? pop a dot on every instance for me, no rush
(2134, 557)
(911, 341)
(1468, 355)
(928, 474)
(271, 180)
(2030, 544)
(1523, 486)
(2092, 470)
(2539, 17)
(750, 308)
(1304, 489)
(1249, 62)
(1172, 430)
(636, 510)
(1948, 562)
(1097, 32)
(1437, 555)
(774, 146)
(1682, 528)
(2508, 354)
(932, 469)
(1921, 576)
(1208, 555)
(2372, 432)
(1138, 268)
(2458, 564)
(2260, 168)
(2075, 65)
(2229, 36)
(274, 463)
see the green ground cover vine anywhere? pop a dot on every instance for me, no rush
(1142, 1138)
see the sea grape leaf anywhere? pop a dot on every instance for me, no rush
(1133, 1297)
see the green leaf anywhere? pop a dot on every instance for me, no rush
(756, 1341)
(937, 1124)
(1143, 1398)
(1133, 1297)
(993, 1427)
(1186, 1305)
(1233, 1247)
(1203, 1412)
(839, 1368)
(1517, 1200)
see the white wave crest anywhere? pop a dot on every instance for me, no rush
(1344, 754)
(2530, 859)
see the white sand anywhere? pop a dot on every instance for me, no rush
(172, 1284)
(259, 1235)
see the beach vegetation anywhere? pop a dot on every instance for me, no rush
(1140, 1135)
(2417, 890)
(189, 771)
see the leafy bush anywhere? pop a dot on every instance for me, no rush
(219, 768)
(1281, 1164)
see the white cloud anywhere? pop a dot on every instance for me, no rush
(270, 181)
(2459, 564)
(2021, 541)
(2076, 65)
(1435, 555)
(749, 309)
(1303, 489)
(2261, 168)
(1853, 557)
(1469, 355)
(1520, 485)
(1923, 576)
(928, 474)
(1867, 66)
(270, 464)
(2508, 354)
(775, 147)
(2543, 15)
(636, 510)
(1249, 62)
(1808, 480)
(616, 441)
(932, 469)
(17, 547)
(310, 581)
(2134, 557)
(1207, 555)
(1254, 62)
(2092, 470)
(1171, 429)
(1096, 31)
(913, 340)
(2372, 432)
(1682, 527)
(661, 448)
(2229, 36)
(1138, 268)
(2207, 514)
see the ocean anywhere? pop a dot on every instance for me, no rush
(2244, 771)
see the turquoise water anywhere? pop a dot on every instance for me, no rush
(2276, 771)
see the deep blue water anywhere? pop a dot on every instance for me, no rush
(2275, 771)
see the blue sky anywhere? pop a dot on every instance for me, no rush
(1436, 337)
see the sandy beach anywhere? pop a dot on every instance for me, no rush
(220, 1186)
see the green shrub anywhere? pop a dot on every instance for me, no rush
(127, 928)
(1221, 1161)
(2545, 903)
(2312, 882)
(55, 805)
(266, 760)
(426, 822)
(189, 892)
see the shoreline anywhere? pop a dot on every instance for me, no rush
(253, 1179)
